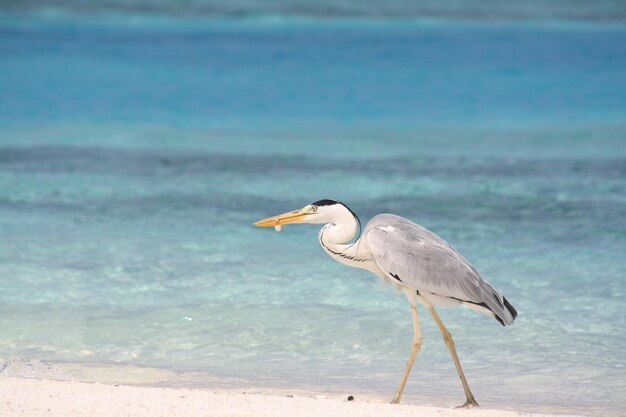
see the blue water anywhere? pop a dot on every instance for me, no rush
(605, 10)
(136, 152)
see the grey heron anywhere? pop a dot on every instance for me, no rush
(410, 257)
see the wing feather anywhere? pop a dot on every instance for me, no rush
(422, 260)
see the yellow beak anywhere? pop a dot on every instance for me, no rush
(285, 218)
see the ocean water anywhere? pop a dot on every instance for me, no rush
(604, 10)
(136, 151)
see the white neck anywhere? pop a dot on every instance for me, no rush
(340, 231)
(334, 237)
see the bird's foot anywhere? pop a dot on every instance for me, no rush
(470, 403)
(396, 400)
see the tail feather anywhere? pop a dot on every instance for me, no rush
(510, 309)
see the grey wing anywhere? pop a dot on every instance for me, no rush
(420, 259)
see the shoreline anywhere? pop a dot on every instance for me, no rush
(26, 385)
(47, 397)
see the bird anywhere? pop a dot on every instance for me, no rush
(426, 268)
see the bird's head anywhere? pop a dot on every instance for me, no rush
(319, 212)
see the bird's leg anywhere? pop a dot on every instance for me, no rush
(417, 343)
(447, 337)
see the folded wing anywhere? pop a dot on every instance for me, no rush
(419, 259)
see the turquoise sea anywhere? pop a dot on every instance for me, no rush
(137, 149)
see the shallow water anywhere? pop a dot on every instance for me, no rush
(135, 153)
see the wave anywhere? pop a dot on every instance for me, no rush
(609, 10)
(154, 163)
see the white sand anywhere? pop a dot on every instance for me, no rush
(41, 397)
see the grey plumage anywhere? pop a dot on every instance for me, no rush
(417, 258)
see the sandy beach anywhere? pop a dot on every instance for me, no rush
(41, 397)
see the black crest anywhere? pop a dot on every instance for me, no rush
(325, 202)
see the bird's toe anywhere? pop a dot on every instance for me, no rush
(470, 403)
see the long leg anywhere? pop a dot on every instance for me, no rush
(447, 337)
(417, 343)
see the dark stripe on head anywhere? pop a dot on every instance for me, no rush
(325, 202)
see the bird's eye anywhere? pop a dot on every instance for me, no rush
(314, 208)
